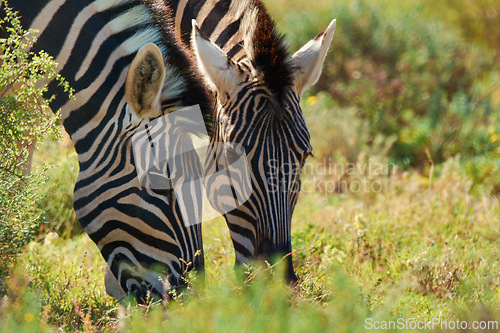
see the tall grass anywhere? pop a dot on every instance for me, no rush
(421, 248)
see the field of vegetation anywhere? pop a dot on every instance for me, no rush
(398, 219)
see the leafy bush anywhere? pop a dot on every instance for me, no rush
(264, 305)
(410, 76)
(477, 20)
(21, 311)
(25, 118)
(57, 202)
(72, 295)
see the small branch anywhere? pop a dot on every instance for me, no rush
(12, 173)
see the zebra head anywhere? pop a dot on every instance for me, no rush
(258, 112)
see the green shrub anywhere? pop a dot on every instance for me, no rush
(25, 118)
(263, 305)
(477, 20)
(409, 75)
(71, 295)
(57, 202)
(21, 311)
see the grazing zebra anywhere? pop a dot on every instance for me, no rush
(139, 230)
(257, 87)
(128, 64)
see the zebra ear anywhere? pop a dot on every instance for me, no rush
(145, 81)
(308, 61)
(218, 70)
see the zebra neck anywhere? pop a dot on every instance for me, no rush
(94, 42)
(220, 20)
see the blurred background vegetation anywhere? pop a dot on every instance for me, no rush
(422, 76)
(414, 85)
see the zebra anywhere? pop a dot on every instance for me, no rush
(257, 87)
(127, 66)
(141, 62)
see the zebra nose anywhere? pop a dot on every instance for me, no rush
(269, 250)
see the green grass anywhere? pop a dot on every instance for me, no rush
(67, 277)
(422, 248)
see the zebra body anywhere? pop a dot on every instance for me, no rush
(139, 231)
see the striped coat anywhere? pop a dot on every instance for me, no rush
(131, 61)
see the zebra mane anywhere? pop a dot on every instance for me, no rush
(265, 48)
(182, 78)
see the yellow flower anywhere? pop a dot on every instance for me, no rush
(406, 177)
(312, 100)
(28, 317)
(493, 138)
(491, 129)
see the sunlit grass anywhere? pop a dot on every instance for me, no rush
(421, 248)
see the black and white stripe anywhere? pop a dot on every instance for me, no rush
(225, 22)
(138, 230)
(276, 148)
(257, 111)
